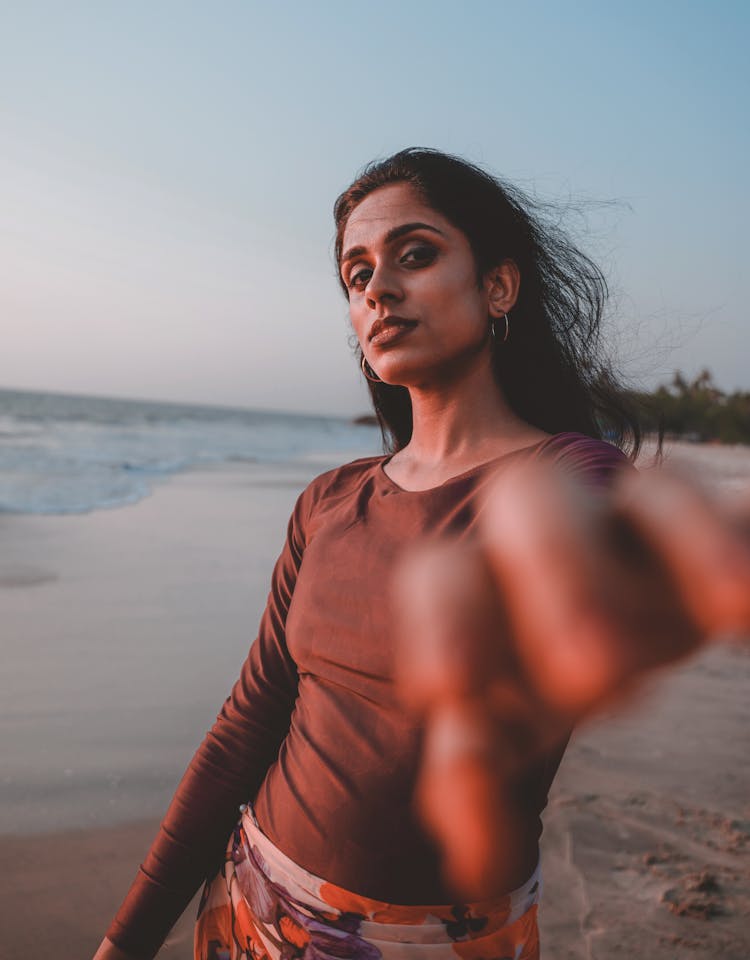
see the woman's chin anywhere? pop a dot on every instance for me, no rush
(412, 367)
(403, 371)
(417, 375)
(400, 378)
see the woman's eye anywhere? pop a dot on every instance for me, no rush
(419, 256)
(359, 278)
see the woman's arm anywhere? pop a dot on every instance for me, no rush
(108, 951)
(226, 770)
(567, 603)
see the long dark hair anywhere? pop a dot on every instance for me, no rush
(552, 369)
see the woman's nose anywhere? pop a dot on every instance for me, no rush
(383, 285)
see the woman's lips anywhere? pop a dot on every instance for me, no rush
(388, 331)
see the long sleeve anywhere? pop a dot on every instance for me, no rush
(225, 771)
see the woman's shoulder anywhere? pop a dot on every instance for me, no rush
(347, 476)
(341, 482)
(592, 460)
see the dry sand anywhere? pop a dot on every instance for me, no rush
(647, 839)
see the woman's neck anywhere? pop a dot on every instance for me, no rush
(458, 425)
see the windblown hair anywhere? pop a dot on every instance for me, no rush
(552, 369)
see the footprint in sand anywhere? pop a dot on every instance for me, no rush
(698, 895)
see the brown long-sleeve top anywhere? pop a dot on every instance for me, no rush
(313, 732)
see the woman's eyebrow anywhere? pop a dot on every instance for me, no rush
(393, 234)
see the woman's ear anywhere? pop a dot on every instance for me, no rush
(502, 285)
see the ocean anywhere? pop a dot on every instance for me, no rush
(62, 454)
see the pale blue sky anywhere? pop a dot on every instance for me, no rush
(167, 172)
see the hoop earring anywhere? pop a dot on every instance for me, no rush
(365, 366)
(506, 332)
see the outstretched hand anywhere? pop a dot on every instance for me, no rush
(565, 603)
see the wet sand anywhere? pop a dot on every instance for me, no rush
(647, 839)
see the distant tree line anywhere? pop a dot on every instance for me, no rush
(696, 410)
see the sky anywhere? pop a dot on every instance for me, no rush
(168, 171)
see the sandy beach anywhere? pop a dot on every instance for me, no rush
(122, 631)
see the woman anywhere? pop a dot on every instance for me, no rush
(477, 327)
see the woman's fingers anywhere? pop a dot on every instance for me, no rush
(456, 667)
(542, 542)
(450, 622)
(705, 548)
(465, 797)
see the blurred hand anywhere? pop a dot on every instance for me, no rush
(569, 598)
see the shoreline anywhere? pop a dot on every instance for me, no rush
(695, 457)
(123, 633)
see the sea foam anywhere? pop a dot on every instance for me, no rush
(67, 454)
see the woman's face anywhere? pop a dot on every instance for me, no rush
(415, 302)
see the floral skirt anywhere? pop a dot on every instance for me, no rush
(263, 906)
